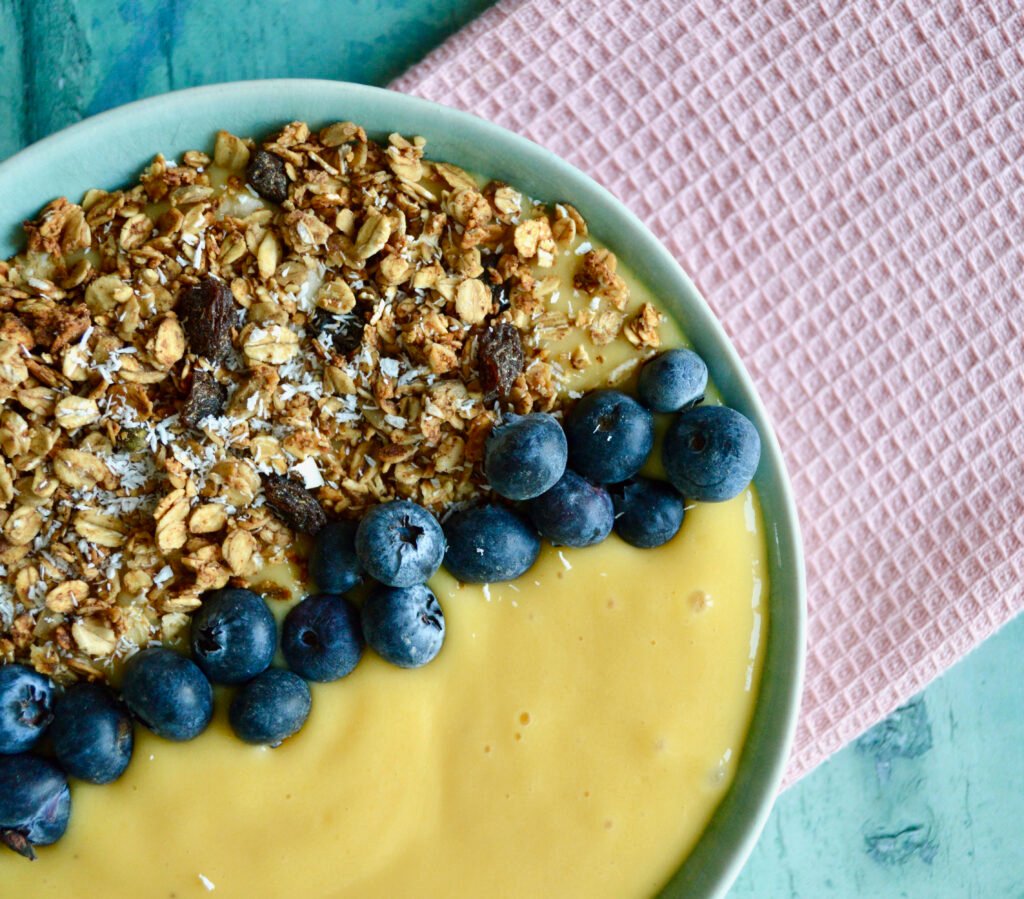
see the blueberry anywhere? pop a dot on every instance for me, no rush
(487, 544)
(92, 734)
(333, 564)
(672, 381)
(321, 638)
(525, 455)
(26, 707)
(711, 453)
(405, 626)
(270, 708)
(400, 543)
(647, 513)
(233, 636)
(574, 512)
(35, 803)
(610, 436)
(168, 693)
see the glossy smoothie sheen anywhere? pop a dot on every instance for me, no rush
(573, 738)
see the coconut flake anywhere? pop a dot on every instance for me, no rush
(310, 473)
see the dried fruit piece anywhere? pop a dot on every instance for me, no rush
(294, 504)
(205, 310)
(500, 358)
(266, 173)
(342, 333)
(499, 296)
(205, 397)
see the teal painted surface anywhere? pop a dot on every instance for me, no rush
(62, 60)
(929, 804)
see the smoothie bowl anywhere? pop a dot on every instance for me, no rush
(398, 404)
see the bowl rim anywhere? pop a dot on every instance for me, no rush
(57, 165)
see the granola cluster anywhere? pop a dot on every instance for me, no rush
(195, 369)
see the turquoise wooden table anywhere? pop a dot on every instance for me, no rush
(928, 803)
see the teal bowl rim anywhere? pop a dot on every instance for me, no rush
(110, 149)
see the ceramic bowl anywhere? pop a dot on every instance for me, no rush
(110, 149)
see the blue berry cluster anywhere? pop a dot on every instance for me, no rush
(574, 483)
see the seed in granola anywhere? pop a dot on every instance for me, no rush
(294, 504)
(131, 440)
(205, 397)
(266, 173)
(500, 358)
(205, 310)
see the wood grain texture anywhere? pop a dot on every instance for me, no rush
(63, 60)
(929, 803)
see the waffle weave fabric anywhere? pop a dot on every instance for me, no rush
(844, 179)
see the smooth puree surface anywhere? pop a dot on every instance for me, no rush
(573, 738)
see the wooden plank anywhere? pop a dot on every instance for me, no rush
(56, 69)
(927, 803)
(68, 59)
(12, 78)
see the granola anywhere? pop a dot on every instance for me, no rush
(234, 349)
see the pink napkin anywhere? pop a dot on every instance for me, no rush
(845, 183)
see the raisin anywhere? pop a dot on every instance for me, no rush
(206, 310)
(293, 504)
(500, 358)
(340, 333)
(205, 397)
(266, 173)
